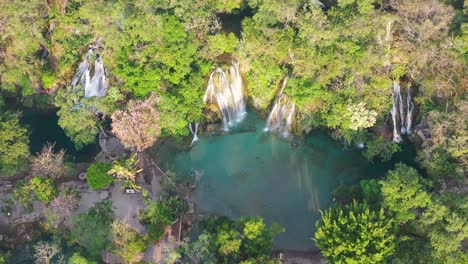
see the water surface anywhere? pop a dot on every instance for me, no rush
(250, 172)
(44, 128)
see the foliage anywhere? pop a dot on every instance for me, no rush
(129, 244)
(446, 227)
(178, 206)
(47, 163)
(79, 116)
(22, 193)
(161, 214)
(75, 117)
(20, 64)
(137, 127)
(44, 189)
(4, 256)
(91, 228)
(44, 252)
(78, 259)
(222, 43)
(380, 147)
(196, 252)
(355, 234)
(14, 144)
(62, 207)
(371, 191)
(157, 217)
(97, 175)
(444, 154)
(126, 169)
(360, 117)
(232, 241)
(341, 65)
(404, 191)
(246, 240)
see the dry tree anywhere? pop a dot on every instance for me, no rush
(47, 163)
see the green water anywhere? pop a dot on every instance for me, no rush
(43, 127)
(249, 172)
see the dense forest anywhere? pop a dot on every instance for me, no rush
(375, 74)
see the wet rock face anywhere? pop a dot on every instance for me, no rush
(422, 132)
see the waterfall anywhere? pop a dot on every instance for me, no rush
(396, 92)
(96, 85)
(282, 114)
(398, 109)
(194, 131)
(402, 111)
(226, 89)
(410, 108)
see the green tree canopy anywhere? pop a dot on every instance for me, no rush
(404, 191)
(97, 175)
(14, 144)
(91, 229)
(355, 234)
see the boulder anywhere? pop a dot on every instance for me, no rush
(103, 195)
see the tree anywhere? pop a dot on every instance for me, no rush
(76, 258)
(137, 127)
(360, 117)
(62, 207)
(196, 252)
(129, 244)
(47, 163)
(446, 227)
(77, 118)
(232, 241)
(126, 170)
(355, 234)
(44, 189)
(20, 63)
(371, 192)
(222, 43)
(80, 117)
(45, 251)
(404, 191)
(14, 144)
(156, 218)
(4, 256)
(97, 175)
(91, 228)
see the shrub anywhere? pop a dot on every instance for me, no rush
(43, 188)
(97, 176)
(355, 234)
(47, 163)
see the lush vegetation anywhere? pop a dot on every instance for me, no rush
(246, 240)
(355, 234)
(407, 223)
(341, 62)
(97, 175)
(91, 229)
(14, 149)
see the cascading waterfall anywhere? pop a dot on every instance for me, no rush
(194, 131)
(226, 89)
(96, 85)
(398, 109)
(410, 108)
(281, 116)
(402, 112)
(393, 112)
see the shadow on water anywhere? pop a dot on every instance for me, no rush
(232, 23)
(43, 127)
